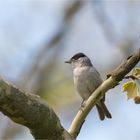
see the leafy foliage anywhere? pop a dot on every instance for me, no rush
(132, 87)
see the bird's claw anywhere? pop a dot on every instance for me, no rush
(82, 105)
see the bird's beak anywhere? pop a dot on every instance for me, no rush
(68, 61)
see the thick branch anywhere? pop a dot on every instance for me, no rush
(29, 110)
(116, 76)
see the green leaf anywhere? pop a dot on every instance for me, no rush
(137, 70)
(131, 89)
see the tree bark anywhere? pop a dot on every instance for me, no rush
(30, 111)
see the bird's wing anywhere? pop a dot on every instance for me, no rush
(94, 80)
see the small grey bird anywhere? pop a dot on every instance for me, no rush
(86, 80)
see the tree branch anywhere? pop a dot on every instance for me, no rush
(113, 79)
(30, 111)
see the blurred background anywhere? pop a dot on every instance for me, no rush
(38, 36)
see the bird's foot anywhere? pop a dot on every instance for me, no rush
(82, 105)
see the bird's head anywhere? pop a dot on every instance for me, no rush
(79, 60)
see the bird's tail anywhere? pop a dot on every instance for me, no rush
(102, 110)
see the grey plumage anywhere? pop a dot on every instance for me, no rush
(86, 80)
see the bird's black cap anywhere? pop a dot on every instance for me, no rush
(77, 56)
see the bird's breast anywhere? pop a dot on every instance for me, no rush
(81, 76)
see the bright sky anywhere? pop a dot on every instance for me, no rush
(25, 24)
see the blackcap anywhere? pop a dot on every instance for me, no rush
(86, 81)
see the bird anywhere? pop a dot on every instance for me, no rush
(86, 80)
